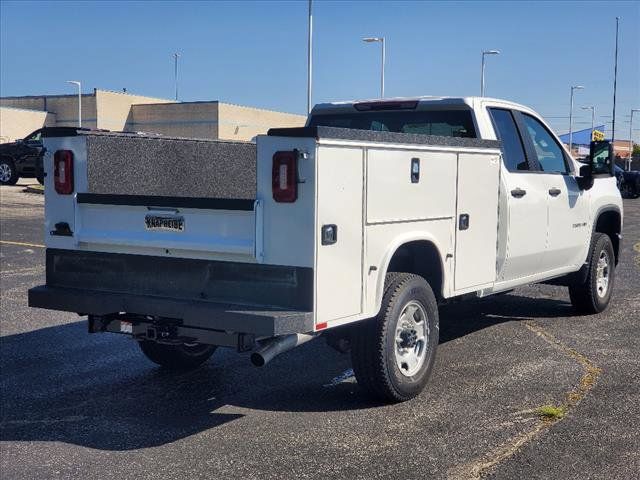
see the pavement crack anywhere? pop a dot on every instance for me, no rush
(480, 468)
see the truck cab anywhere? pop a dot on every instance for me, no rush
(22, 158)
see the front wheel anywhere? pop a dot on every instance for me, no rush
(8, 173)
(626, 191)
(393, 353)
(594, 294)
(177, 357)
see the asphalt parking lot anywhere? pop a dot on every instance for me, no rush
(85, 406)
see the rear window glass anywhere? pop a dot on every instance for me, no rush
(448, 123)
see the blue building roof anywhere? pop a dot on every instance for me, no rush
(581, 137)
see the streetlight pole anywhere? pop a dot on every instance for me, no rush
(593, 117)
(575, 87)
(309, 57)
(486, 52)
(631, 137)
(615, 83)
(175, 72)
(381, 40)
(79, 85)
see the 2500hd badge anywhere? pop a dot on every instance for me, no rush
(162, 222)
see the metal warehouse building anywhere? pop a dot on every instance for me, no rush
(120, 111)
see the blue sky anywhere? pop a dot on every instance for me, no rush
(254, 53)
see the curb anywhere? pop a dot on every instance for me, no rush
(34, 190)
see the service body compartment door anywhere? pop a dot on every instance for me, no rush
(339, 219)
(405, 185)
(476, 220)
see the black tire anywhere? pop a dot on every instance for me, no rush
(177, 357)
(590, 297)
(626, 191)
(374, 343)
(8, 173)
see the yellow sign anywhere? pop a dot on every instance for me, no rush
(597, 136)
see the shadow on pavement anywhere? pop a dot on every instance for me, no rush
(98, 391)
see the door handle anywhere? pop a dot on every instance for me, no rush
(554, 192)
(518, 193)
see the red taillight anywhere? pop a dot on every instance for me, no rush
(283, 177)
(63, 171)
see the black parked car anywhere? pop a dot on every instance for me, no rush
(22, 158)
(628, 182)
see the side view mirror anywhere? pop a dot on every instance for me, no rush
(601, 158)
(585, 180)
(600, 164)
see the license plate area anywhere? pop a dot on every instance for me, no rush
(225, 232)
(164, 223)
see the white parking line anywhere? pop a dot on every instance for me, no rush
(22, 244)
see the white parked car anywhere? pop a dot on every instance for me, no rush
(356, 226)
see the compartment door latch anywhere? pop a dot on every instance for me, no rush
(463, 222)
(329, 234)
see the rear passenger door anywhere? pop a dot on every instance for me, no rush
(523, 227)
(567, 205)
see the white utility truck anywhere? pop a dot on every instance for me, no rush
(357, 226)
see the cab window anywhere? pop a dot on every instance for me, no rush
(34, 137)
(548, 152)
(448, 123)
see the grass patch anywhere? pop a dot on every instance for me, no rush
(549, 412)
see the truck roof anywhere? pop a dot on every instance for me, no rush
(423, 102)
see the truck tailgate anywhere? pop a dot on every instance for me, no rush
(156, 196)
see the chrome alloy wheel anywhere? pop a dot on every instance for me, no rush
(602, 274)
(5, 172)
(411, 339)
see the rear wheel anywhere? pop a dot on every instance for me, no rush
(177, 357)
(8, 172)
(393, 353)
(594, 294)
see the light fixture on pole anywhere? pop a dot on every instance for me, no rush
(574, 87)
(79, 85)
(631, 137)
(381, 40)
(593, 117)
(309, 57)
(486, 52)
(175, 72)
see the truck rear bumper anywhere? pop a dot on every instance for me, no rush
(256, 299)
(259, 321)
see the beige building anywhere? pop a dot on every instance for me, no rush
(16, 123)
(120, 111)
(216, 120)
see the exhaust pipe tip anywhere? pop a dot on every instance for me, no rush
(277, 345)
(258, 360)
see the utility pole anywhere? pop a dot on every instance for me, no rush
(574, 87)
(79, 85)
(593, 117)
(175, 72)
(486, 52)
(615, 81)
(309, 57)
(633, 110)
(381, 41)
